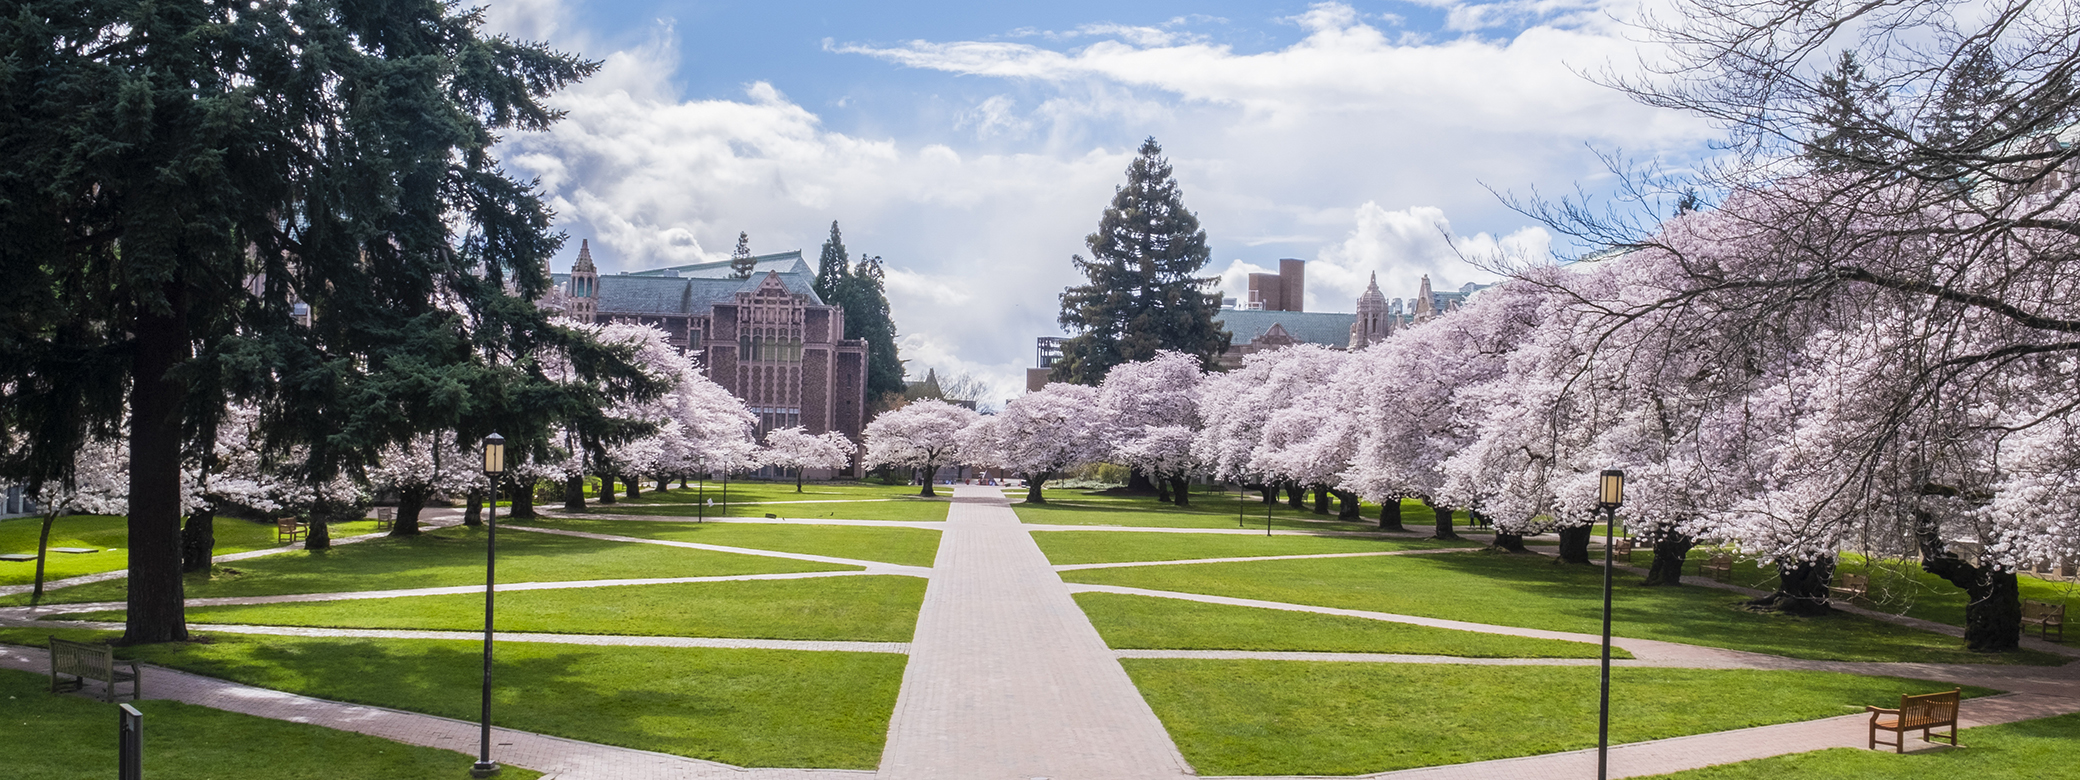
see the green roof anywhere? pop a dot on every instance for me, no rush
(1329, 329)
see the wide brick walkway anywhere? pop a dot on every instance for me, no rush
(1007, 679)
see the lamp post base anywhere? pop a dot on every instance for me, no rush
(483, 769)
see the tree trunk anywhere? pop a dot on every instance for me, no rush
(606, 488)
(473, 513)
(43, 553)
(523, 500)
(1138, 482)
(1390, 515)
(1033, 484)
(1669, 554)
(199, 540)
(635, 487)
(1443, 517)
(1347, 505)
(160, 344)
(1509, 542)
(1270, 493)
(1321, 499)
(574, 493)
(929, 472)
(1574, 544)
(1801, 589)
(664, 483)
(318, 535)
(1180, 491)
(798, 479)
(1993, 611)
(1296, 497)
(1162, 488)
(409, 502)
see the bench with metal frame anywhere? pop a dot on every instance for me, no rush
(1924, 712)
(84, 661)
(2045, 616)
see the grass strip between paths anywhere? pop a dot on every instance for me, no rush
(863, 608)
(110, 535)
(1073, 547)
(904, 546)
(2043, 749)
(453, 556)
(1151, 623)
(908, 509)
(1316, 718)
(752, 708)
(1535, 592)
(53, 737)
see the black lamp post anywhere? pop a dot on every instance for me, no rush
(494, 467)
(1610, 493)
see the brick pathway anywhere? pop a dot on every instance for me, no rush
(1007, 679)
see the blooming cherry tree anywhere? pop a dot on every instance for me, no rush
(922, 435)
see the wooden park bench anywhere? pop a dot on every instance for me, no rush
(1718, 567)
(1926, 711)
(386, 517)
(2045, 616)
(286, 529)
(1852, 586)
(83, 661)
(1622, 547)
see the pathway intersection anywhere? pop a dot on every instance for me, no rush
(1008, 679)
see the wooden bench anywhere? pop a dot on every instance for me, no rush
(1926, 711)
(1852, 586)
(1622, 547)
(2045, 616)
(84, 661)
(386, 517)
(1718, 567)
(286, 529)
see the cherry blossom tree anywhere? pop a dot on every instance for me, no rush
(1147, 396)
(796, 448)
(922, 435)
(1041, 434)
(1237, 407)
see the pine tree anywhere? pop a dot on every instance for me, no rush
(867, 317)
(740, 262)
(1850, 118)
(832, 267)
(1144, 293)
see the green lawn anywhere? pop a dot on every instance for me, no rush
(906, 546)
(1073, 547)
(1207, 510)
(758, 708)
(1310, 718)
(1535, 592)
(866, 608)
(1145, 622)
(451, 556)
(53, 737)
(907, 509)
(770, 491)
(111, 535)
(2028, 750)
(1902, 587)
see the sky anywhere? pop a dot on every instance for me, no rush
(973, 146)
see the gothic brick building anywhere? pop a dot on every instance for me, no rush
(768, 339)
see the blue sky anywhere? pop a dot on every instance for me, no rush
(972, 146)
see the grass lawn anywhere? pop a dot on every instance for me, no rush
(1534, 592)
(111, 535)
(909, 509)
(1902, 587)
(450, 556)
(1312, 718)
(758, 708)
(870, 608)
(906, 546)
(1207, 510)
(2028, 750)
(1072, 547)
(53, 737)
(749, 491)
(1146, 622)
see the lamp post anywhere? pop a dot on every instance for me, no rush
(494, 467)
(1610, 493)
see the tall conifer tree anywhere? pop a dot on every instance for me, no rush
(1144, 293)
(832, 266)
(858, 290)
(740, 262)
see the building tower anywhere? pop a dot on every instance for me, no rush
(1426, 306)
(1371, 325)
(584, 293)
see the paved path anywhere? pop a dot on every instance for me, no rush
(1007, 679)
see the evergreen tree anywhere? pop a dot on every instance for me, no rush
(176, 188)
(867, 317)
(740, 262)
(832, 267)
(1144, 293)
(1850, 117)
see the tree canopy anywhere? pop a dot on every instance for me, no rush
(858, 288)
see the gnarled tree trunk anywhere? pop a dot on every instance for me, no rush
(1574, 544)
(1180, 491)
(1321, 499)
(1033, 483)
(473, 512)
(409, 502)
(1443, 518)
(1346, 505)
(574, 493)
(199, 539)
(1671, 549)
(1162, 489)
(1296, 497)
(635, 486)
(523, 500)
(1993, 611)
(1801, 588)
(606, 488)
(1508, 542)
(1390, 515)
